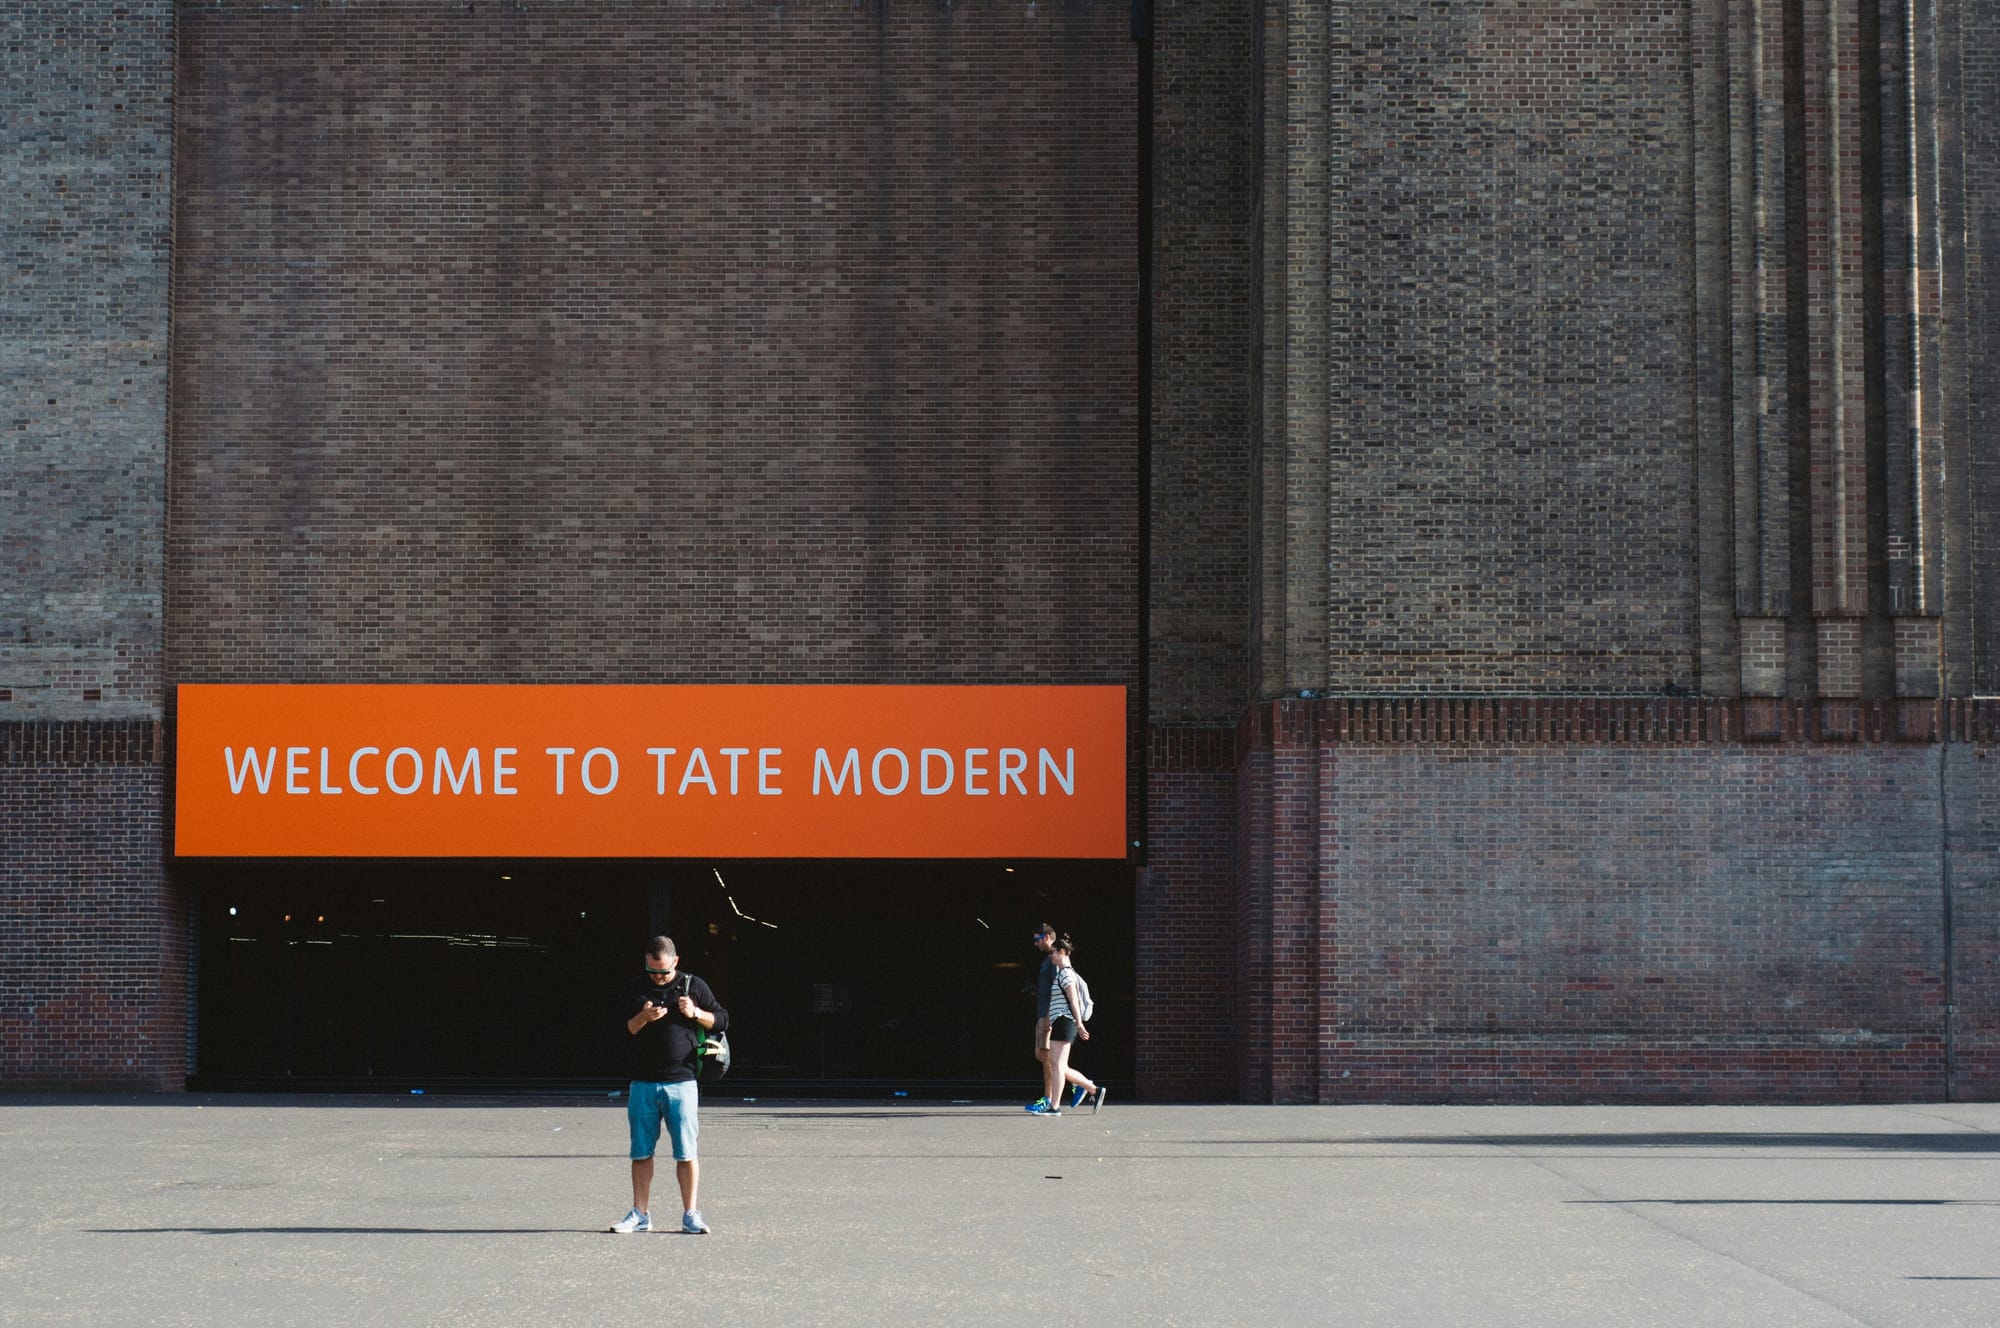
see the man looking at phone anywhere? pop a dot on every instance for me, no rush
(667, 1007)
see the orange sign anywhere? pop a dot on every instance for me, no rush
(645, 772)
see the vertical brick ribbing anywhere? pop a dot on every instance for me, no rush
(1205, 215)
(1837, 418)
(1299, 770)
(1968, 122)
(1307, 340)
(1255, 882)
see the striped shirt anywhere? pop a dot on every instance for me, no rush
(1059, 997)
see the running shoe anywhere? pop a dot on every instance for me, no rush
(1097, 1100)
(691, 1223)
(633, 1221)
(1077, 1094)
(1039, 1105)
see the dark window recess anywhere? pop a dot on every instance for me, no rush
(840, 976)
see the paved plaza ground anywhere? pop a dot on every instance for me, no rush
(260, 1210)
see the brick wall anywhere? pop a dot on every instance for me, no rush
(93, 992)
(1971, 123)
(599, 342)
(611, 342)
(1187, 963)
(84, 180)
(1204, 211)
(1204, 217)
(91, 987)
(1972, 780)
(1568, 901)
(1477, 443)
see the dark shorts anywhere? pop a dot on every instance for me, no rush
(1062, 1029)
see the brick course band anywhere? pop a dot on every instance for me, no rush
(1190, 748)
(1595, 720)
(81, 742)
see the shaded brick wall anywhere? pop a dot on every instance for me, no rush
(604, 342)
(1204, 212)
(1251, 918)
(1190, 1001)
(93, 992)
(1204, 218)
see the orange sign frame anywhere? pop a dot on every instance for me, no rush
(732, 771)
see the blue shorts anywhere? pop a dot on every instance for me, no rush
(679, 1105)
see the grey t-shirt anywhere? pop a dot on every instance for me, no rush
(1044, 985)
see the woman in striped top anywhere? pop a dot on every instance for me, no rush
(1065, 1027)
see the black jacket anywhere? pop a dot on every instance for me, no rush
(663, 1051)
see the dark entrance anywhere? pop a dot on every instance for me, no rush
(841, 977)
(911, 976)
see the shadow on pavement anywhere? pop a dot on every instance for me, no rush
(1803, 1203)
(1969, 1141)
(345, 1231)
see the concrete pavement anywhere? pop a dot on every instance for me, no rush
(240, 1210)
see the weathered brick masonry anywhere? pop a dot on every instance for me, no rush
(1573, 501)
(1610, 354)
(1204, 209)
(547, 342)
(92, 983)
(1193, 1006)
(606, 342)
(94, 988)
(84, 184)
(1590, 899)
(1972, 801)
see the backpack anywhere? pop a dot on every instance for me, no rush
(711, 1054)
(711, 1050)
(1085, 1008)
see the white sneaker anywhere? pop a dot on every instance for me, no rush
(691, 1223)
(633, 1221)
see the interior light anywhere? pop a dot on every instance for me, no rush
(232, 910)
